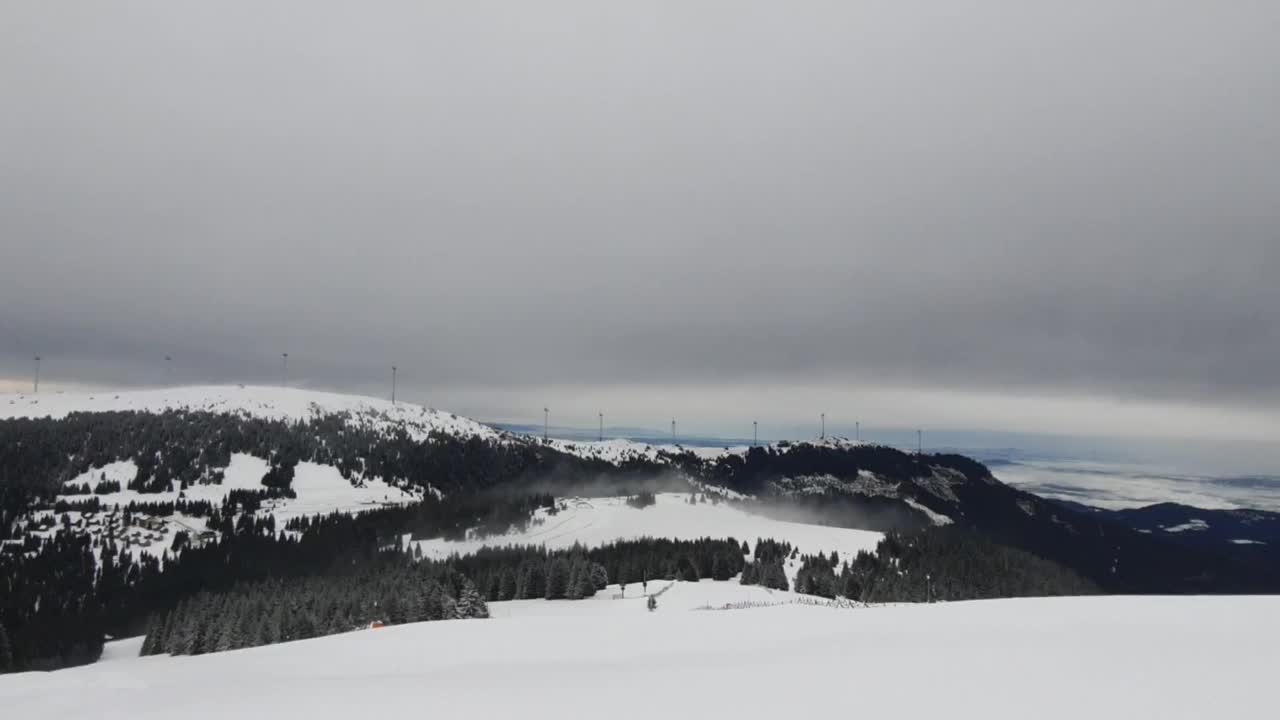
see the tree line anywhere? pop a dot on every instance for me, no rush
(176, 449)
(527, 572)
(938, 564)
(390, 590)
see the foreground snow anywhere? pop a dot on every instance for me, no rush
(1185, 657)
(597, 521)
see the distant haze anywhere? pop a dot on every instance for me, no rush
(1017, 216)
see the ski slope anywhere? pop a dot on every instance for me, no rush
(598, 521)
(1060, 658)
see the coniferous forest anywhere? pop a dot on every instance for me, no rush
(390, 590)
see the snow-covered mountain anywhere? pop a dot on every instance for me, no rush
(108, 497)
(263, 402)
(309, 453)
(317, 488)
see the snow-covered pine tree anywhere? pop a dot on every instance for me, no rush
(169, 639)
(599, 576)
(449, 607)
(164, 627)
(573, 589)
(149, 640)
(470, 604)
(243, 636)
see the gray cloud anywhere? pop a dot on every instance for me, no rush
(997, 197)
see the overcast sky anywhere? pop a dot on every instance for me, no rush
(1023, 215)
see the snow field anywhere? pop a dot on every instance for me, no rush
(1098, 657)
(598, 521)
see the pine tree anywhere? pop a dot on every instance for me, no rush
(581, 584)
(573, 590)
(773, 576)
(245, 629)
(163, 629)
(395, 614)
(599, 576)
(6, 651)
(304, 625)
(448, 608)
(228, 630)
(272, 629)
(685, 569)
(557, 579)
(415, 605)
(470, 604)
(338, 622)
(719, 570)
(149, 639)
(507, 584)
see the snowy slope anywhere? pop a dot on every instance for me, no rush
(294, 404)
(270, 403)
(320, 490)
(1069, 658)
(597, 521)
